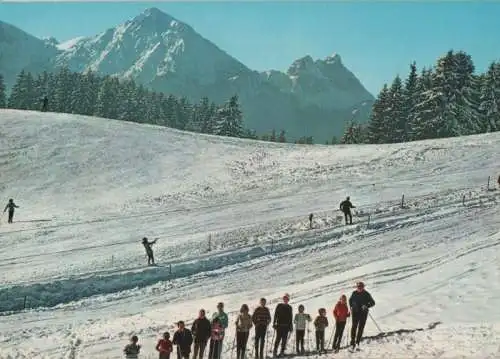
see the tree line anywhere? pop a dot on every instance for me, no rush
(108, 97)
(446, 100)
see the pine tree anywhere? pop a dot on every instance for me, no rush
(490, 98)
(353, 133)
(282, 138)
(231, 120)
(272, 138)
(410, 100)
(19, 96)
(396, 121)
(107, 105)
(170, 111)
(183, 113)
(3, 94)
(379, 123)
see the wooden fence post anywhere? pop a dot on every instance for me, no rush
(209, 242)
(463, 200)
(369, 216)
(488, 185)
(403, 201)
(170, 268)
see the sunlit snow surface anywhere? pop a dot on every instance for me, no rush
(89, 189)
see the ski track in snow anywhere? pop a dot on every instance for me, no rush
(89, 189)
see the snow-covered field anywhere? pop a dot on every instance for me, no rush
(89, 189)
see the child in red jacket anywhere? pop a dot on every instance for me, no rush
(164, 346)
(340, 313)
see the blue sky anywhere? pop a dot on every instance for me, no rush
(376, 40)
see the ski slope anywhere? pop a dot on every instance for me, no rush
(89, 189)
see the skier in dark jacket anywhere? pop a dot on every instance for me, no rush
(201, 330)
(360, 302)
(45, 104)
(261, 319)
(345, 207)
(283, 324)
(10, 206)
(149, 251)
(183, 339)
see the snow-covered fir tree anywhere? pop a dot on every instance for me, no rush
(230, 119)
(21, 96)
(490, 98)
(3, 93)
(282, 137)
(354, 133)
(397, 121)
(410, 100)
(89, 94)
(379, 123)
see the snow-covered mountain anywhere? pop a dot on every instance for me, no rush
(20, 50)
(324, 83)
(312, 98)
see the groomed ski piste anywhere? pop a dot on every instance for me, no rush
(74, 279)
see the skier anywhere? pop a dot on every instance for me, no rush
(243, 326)
(360, 302)
(321, 323)
(183, 339)
(216, 338)
(345, 207)
(10, 206)
(133, 349)
(222, 316)
(301, 321)
(164, 346)
(340, 313)
(261, 318)
(149, 251)
(311, 221)
(45, 104)
(283, 324)
(201, 331)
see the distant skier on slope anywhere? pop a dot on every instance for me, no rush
(10, 206)
(360, 302)
(45, 104)
(345, 206)
(149, 251)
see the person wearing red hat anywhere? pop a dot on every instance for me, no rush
(283, 324)
(360, 302)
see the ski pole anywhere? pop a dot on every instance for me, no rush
(380, 330)
(272, 340)
(347, 333)
(234, 342)
(331, 338)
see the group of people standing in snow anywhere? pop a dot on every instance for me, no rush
(212, 332)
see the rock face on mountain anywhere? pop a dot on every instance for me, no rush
(313, 98)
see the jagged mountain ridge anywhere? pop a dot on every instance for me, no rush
(313, 98)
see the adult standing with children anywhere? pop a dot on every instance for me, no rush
(360, 302)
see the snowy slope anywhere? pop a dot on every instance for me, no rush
(90, 188)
